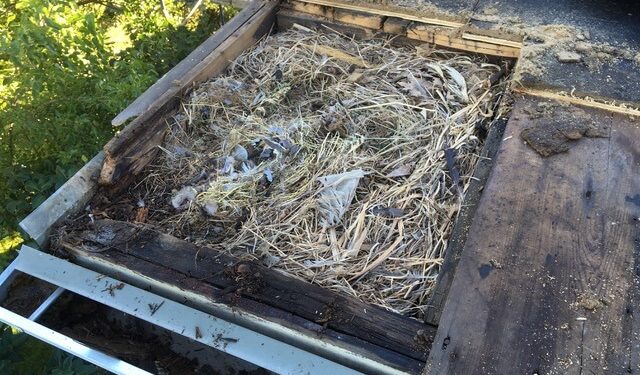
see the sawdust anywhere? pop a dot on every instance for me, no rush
(555, 41)
(589, 302)
(492, 14)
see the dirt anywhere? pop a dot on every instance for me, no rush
(557, 128)
(589, 302)
(26, 294)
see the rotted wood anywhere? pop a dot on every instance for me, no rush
(288, 18)
(387, 10)
(113, 262)
(447, 34)
(234, 279)
(463, 222)
(549, 276)
(136, 145)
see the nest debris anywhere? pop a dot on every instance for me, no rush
(323, 156)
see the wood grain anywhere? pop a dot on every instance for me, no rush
(249, 280)
(111, 261)
(548, 279)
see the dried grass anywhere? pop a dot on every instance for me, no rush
(331, 105)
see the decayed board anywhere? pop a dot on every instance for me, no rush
(193, 291)
(234, 279)
(454, 35)
(548, 280)
(464, 219)
(131, 150)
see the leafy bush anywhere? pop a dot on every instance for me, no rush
(66, 68)
(62, 80)
(20, 354)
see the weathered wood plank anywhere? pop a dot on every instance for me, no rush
(288, 18)
(250, 280)
(450, 39)
(114, 260)
(388, 10)
(370, 21)
(463, 222)
(546, 280)
(136, 145)
(363, 25)
(68, 199)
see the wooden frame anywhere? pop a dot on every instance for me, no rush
(395, 342)
(448, 34)
(486, 323)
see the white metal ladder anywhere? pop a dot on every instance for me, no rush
(231, 338)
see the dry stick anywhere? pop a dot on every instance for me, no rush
(384, 255)
(191, 12)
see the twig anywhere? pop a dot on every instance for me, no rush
(191, 12)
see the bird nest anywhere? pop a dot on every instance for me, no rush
(340, 161)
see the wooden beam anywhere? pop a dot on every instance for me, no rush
(397, 26)
(549, 277)
(491, 40)
(458, 237)
(236, 279)
(136, 145)
(442, 37)
(66, 201)
(192, 292)
(362, 19)
(586, 102)
(450, 39)
(380, 11)
(288, 18)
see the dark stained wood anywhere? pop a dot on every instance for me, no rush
(89, 255)
(235, 278)
(136, 145)
(394, 25)
(463, 222)
(548, 280)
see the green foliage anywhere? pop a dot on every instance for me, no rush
(67, 67)
(61, 82)
(21, 354)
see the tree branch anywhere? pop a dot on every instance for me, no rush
(191, 12)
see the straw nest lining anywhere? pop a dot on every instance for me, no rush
(323, 156)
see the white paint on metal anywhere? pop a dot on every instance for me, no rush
(228, 337)
(46, 304)
(69, 345)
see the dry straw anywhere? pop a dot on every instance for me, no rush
(302, 105)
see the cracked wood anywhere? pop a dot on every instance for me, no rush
(234, 279)
(548, 279)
